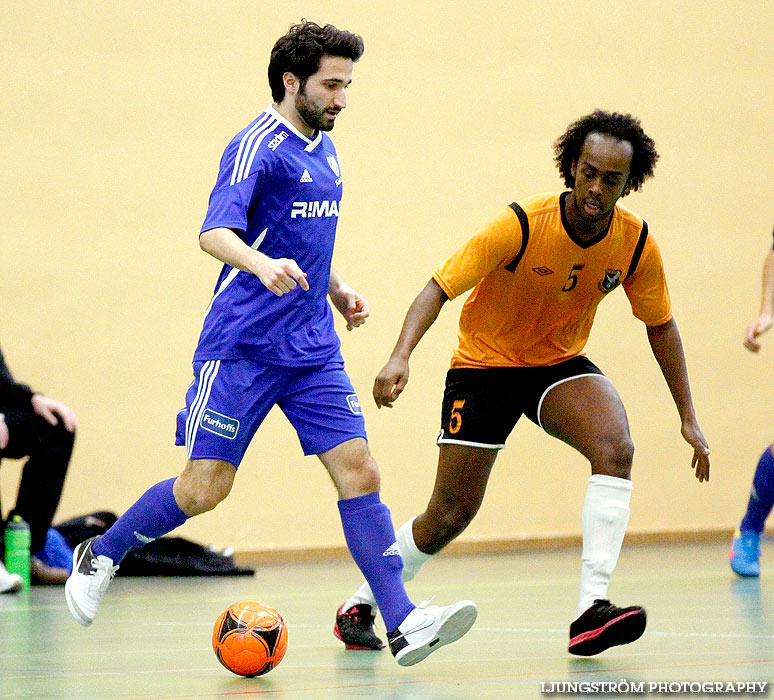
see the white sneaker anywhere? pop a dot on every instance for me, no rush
(9, 583)
(426, 629)
(87, 584)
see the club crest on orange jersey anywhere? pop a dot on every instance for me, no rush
(611, 281)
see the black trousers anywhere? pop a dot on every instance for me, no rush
(48, 449)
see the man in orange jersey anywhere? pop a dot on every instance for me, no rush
(538, 270)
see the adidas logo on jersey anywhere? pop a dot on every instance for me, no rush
(306, 177)
(392, 551)
(307, 210)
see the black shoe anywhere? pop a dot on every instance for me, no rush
(355, 627)
(603, 626)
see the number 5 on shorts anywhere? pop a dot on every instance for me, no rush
(455, 422)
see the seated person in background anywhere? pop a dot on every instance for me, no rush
(43, 430)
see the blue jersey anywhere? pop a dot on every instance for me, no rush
(280, 192)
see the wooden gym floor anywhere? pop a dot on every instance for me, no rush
(152, 638)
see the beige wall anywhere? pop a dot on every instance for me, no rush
(114, 118)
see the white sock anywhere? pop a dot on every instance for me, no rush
(603, 524)
(413, 561)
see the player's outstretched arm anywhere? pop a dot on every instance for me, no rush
(391, 381)
(349, 303)
(668, 350)
(279, 276)
(764, 320)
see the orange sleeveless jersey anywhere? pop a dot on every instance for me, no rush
(537, 286)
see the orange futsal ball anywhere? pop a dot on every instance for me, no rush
(250, 638)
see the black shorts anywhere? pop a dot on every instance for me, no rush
(481, 406)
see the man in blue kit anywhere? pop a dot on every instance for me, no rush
(746, 545)
(268, 339)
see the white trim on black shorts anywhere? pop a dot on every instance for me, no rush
(440, 440)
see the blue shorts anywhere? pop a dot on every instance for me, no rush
(228, 400)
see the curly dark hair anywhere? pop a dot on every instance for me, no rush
(621, 126)
(299, 52)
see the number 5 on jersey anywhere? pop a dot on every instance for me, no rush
(572, 280)
(455, 422)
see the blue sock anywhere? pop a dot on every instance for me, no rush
(154, 514)
(762, 494)
(370, 536)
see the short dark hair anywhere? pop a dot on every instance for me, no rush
(299, 52)
(624, 127)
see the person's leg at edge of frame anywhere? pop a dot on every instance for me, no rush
(413, 632)
(746, 544)
(162, 508)
(586, 413)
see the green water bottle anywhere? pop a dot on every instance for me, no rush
(17, 549)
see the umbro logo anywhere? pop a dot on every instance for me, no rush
(306, 177)
(392, 551)
(543, 271)
(143, 538)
